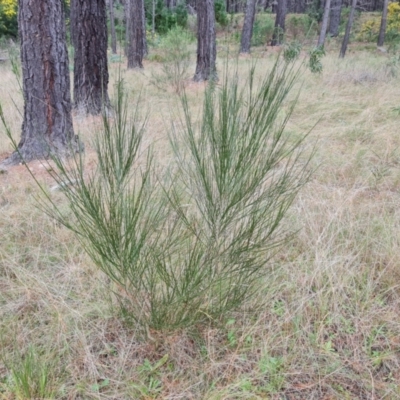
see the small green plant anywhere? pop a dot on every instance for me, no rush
(291, 51)
(31, 377)
(150, 384)
(175, 53)
(314, 62)
(272, 368)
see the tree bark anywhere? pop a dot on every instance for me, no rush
(136, 34)
(90, 61)
(324, 26)
(279, 30)
(348, 29)
(47, 124)
(247, 31)
(382, 30)
(336, 9)
(112, 28)
(206, 42)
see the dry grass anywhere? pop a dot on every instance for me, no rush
(332, 326)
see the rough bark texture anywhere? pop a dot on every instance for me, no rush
(47, 124)
(247, 31)
(336, 9)
(136, 34)
(382, 30)
(90, 62)
(324, 26)
(279, 30)
(348, 29)
(112, 28)
(206, 41)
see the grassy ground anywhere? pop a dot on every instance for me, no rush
(331, 329)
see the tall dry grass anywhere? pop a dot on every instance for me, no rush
(332, 327)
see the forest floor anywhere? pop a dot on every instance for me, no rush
(331, 327)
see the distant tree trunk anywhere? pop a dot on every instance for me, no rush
(247, 31)
(112, 28)
(127, 13)
(90, 61)
(206, 41)
(145, 48)
(348, 29)
(336, 8)
(153, 18)
(136, 34)
(324, 26)
(279, 30)
(47, 124)
(382, 30)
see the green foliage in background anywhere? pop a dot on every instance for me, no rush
(263, 29)
(221, 16)
(175, 54)
(165, 18)
(369, 30)
(8, 18)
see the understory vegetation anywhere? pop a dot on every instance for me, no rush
(187, 183)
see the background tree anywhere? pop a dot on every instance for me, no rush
(47, 124)
(137, 33)
(382, 30)
(334, 22)
(348, 29)
(324, 26)
(247, 31)
(206, 42)
(112, 28)
(279, 30)
(89, 24)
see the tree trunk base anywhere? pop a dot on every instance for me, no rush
(42, 150)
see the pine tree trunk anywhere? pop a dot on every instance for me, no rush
(145, 48)
(136, 34)
(336, 9)
(324, 26)
(47, 124)
(382, 30)
(247, 31)
(206, 41)
(348, 29)
(127, 13)
(112, 28)
(90, 61)
(279, 30)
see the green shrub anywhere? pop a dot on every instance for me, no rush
(221, 16)
(315, 11)
(263, 29)
(174, 52)
(190, 245)
(291, 51)
(314, 62)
